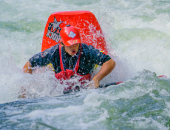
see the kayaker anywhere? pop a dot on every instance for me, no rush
(72, 58)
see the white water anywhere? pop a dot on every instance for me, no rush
(138, 39)
(138, 33)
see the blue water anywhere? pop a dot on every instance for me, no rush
(138, 39)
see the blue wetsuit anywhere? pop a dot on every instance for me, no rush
(89, 58)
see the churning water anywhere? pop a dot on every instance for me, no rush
(138, 39)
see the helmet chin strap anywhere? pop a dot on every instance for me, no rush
(61, 42)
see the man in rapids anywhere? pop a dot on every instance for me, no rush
(72, 58)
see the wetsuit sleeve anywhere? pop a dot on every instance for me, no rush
(98, 57)
(94, 55)
(43, 58)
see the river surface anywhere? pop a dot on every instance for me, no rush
(138, 39)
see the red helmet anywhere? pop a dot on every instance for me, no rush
(70, 35)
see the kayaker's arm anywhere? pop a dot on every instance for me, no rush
(27, 68)
(106, 68)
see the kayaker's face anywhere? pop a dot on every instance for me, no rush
(72, 50)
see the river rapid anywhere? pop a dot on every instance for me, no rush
(138, 39)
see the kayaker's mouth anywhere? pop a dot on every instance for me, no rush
(74, 52)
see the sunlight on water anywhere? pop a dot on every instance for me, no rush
(137, 35)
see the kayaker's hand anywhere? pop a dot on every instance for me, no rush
(22, 93)
(94, 84)
(107, 67)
